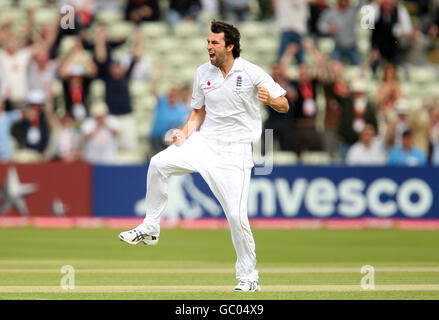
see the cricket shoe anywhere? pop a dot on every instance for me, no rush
(136, 236)
(247, 286)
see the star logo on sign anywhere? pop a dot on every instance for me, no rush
(13, 192)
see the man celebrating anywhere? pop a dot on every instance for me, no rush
(216, 142)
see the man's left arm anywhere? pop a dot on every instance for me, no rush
(269, 92)
(280, 104)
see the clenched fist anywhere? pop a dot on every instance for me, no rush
(178, 137)
(264, 95)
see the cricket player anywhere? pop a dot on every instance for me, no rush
(216, 142)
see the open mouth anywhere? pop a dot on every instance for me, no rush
(211, 55)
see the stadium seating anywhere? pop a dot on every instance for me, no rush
(27, 156)
(253, 30)
(325, 45)
(187, 30)
(108, 17)
(97, 90)
(315, 158)
(131, 157)
(432, 90)
(259, 42)
(155, 30)
(46, 16)
(121, 29)
(183, 51)
(423, 75)
(285, 158)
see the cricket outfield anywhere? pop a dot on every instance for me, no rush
(199, 264)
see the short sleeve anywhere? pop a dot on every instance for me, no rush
(263, 79)
(197, 100)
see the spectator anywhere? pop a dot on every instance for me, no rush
(84, 14)
(281, 124)
(143, 67)
(7, 120)
(356, 111)
(45, 35)
(99, 134)
(397, 122)
(67, 140)
(291, 19)
(84, 11)
(186, 95)
(33, 131)
(392, 22)
(316, 9)
(138, 11)
(182, 10)
(340, 22)
(419, 122)
(113, 5)
(210, 9)
(434, 133)
(265, 10)
(406, 154)
(304, 132)
(415, 48)
(369, 150)
(410, 118)
(334, 85)
(111, 44)
(42, 70)
(14, 61)
(428, 15)
(64, 144)
(117, 94)
(170, 113)
(236, 11)
(389, 90)
(77, 71)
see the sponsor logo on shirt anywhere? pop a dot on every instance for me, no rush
(208, 85)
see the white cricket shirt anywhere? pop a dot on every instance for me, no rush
(232, 105)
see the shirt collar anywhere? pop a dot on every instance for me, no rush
(238, 65)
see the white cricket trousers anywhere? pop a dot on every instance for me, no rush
(226, 168)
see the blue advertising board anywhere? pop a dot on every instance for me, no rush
(287, 192)
(117, 188)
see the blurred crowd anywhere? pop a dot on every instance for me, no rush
(47, 112)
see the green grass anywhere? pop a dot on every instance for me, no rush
(323, 295)
(34, 257)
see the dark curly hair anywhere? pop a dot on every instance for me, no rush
(231, 35)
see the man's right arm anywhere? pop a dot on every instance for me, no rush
(194, 121)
